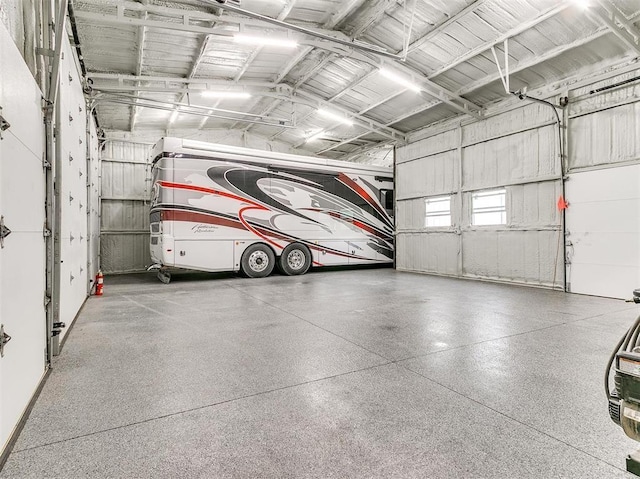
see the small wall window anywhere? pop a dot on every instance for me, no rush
(437, 211)
(489, 207)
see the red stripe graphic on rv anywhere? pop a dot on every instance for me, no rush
(193, 217)
(203, 189)
(361, 192)
(255, 230)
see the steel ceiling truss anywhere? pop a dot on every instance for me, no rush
(188, 109)
(127, 13)
(192, 21)
(618, 24)
(128, 83)
(347, 9)
(286, 10)
(331, 41)
(501, 39)
(141, 37)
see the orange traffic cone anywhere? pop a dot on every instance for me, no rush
(99, 283)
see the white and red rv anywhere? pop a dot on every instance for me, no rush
(223, 208)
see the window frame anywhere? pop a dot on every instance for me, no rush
(491, 209)
(437, 213)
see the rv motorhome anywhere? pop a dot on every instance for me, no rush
(222, 208)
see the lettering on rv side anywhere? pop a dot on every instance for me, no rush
(202, 228)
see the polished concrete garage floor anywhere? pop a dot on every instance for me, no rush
(358, 373)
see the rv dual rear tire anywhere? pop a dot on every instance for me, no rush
(258, 261)
(295, 259)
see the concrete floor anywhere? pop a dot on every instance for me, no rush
(358, 373)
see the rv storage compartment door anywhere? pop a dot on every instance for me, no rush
(204, 255)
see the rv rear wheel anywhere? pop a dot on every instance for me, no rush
(295, 259)
(258, 261)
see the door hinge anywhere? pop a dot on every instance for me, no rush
(4, 339)
(4, 231)
(47, 300)
(4, 124)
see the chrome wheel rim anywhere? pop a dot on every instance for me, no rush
(296, 259)
(258, 261)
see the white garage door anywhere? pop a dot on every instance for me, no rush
(603, 232)
(22, 257)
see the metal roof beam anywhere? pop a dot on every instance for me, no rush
(142, 32)
(189, 20)
(413, 46)
(381, 145)
(617, 23)
(365, 122)
(418, 43)
(194, 68)
(518, 67)
(333, 37)
(372, 16)
(347, 9)
(487, 46)
(331, 100)
(286, 10)
(505, 36)
(119, 19)
(202, 83)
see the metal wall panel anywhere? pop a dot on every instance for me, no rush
(517, 150)
(124, 215)
(606, 137)
(529, 115)
(428, 176)
(126, 180)
(534, 205)
(428, 253)
(586, 99)
(441, 142)
(125, 253)
(514, 256)
(524, 156)
(410, 214)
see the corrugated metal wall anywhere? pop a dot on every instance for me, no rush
(517, 150)
(124, 220)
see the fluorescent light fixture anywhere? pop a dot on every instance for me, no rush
(336, 117)
(400, 80)
(226, 94)
(264, 41)
(173, 116)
